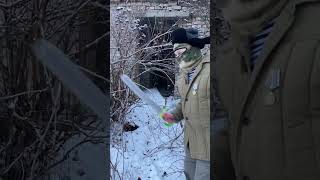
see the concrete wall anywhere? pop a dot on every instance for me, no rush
(189, 16)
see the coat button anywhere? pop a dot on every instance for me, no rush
(245, 121)
(186, 99)
(186, 118)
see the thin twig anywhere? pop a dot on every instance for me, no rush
(94, 74)
(23, 93)
(68, 19)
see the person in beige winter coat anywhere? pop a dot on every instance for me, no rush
(269, 81)
(194, 107)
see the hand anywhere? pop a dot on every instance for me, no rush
(168, 117)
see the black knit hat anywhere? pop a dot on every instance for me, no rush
(190, 36)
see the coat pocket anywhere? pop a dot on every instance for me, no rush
(297, 118)
(300, 150)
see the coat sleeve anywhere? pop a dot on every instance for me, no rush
(222, 76)
(223, 167)
(177, 112)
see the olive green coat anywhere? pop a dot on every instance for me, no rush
(274, 110)
(194, 108)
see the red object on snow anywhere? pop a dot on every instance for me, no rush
(168, 117)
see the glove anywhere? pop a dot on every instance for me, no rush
(168, 117)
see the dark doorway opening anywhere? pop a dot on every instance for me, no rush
(159, 71)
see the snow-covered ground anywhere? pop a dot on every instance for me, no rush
(151, 152)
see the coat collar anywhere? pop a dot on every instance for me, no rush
(281, 26)
(205, 59)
